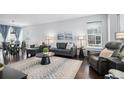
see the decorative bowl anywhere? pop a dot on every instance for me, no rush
(1, 67)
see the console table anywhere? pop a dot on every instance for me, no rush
(81, 53)
(9, 73)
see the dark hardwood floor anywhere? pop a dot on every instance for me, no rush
(8, 59)
(85, 71)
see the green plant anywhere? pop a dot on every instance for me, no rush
(1, 65)
(45, 50)
(121, 54)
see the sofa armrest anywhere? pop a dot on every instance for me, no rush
(95, 53)
(97, 58)
(94, 58)
(73, 51)
(120, 66)
(102, 59)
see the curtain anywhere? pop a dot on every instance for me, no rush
(0, 29)
(4, 31)
(17, 32)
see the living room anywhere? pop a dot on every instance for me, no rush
(40, 45)
(65, 46)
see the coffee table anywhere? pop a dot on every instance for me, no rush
(10, 73)
(45, 57)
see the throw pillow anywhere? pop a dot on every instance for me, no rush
(106, 53)
(69, 46)
(53, 45)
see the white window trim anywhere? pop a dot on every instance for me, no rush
(94, 44)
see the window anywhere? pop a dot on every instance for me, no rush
(94, 35)
(1, 39)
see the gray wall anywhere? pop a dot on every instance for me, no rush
(37, 33)
(122, 22)
(113, 26)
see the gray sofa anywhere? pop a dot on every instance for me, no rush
(61, 50)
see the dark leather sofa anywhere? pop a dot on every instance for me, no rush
(101, 64)
(62, 51)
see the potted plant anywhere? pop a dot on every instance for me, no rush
(45, 50)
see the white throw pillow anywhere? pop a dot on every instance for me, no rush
(69, 46)
(53, 45)
(106, 53)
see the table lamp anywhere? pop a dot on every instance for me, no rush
(119, 36)
(81, 38)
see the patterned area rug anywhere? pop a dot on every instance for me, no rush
(59, 68)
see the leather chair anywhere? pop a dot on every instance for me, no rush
(101, 64)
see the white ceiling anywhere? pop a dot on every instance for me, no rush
(33, 19)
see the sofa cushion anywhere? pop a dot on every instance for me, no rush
(62, 50)
(106, 53)
(61, 45)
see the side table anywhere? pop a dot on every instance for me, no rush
(81, 53)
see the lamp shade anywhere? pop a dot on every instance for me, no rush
(50, 37)
(80, 37)
(119, 35)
